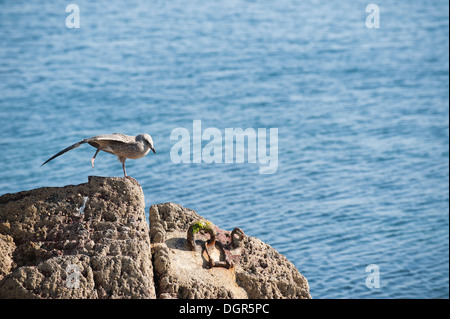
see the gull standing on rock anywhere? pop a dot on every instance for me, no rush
(121, 145)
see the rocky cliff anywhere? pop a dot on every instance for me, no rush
(93, 241)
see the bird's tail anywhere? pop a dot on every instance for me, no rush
(64, 151)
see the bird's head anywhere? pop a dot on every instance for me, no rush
(148, 141)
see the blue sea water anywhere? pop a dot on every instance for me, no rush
(362, 117)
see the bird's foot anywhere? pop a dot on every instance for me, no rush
(129, 177)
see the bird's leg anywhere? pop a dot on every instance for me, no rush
(122, 160)
(124, 171)
(93, 158)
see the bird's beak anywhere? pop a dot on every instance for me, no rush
(153, 150)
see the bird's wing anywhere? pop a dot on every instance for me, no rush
(110, 142)
(115, 137)
(71, 147)
(99, 141)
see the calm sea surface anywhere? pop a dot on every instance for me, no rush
(362, 118)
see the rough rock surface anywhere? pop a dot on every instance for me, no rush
(85, 241)
(93, 241)
(259, 270)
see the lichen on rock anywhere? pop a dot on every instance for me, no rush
(258, 271)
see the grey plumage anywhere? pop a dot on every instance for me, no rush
(121, 145)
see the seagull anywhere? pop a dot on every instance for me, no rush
(121, 145)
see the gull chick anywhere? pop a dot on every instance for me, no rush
(121, 145)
